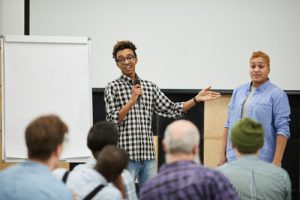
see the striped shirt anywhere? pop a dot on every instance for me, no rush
(187, 180)
(135, 131)
(257, 179)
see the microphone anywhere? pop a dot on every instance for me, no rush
(138, 82)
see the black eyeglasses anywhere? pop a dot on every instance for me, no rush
(122, 60)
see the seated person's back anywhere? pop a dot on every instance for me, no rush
(181, 177)
(99, 136)
(254, 178)
(32, 179)
(83, 181)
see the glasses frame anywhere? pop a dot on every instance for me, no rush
(129, 58)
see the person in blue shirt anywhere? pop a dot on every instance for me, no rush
(266, 103)
(32, 179)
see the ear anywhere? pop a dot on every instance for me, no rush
(58, 151)
(165, 146)
(195, 149)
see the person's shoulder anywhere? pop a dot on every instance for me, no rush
(52, 183)
(59, 173)
(242, 87)
(230, 168)
(148, 83)
(10, 170)
(85, 175)
(152, 183)
(224, 167)
(58, 189)
(109, 192)
(27, 179)
(146, 191)
(126, 176)
(114, 82)
(278, 171)
(84, 166)
(6, 175)
(17, 171)
(213, 174)
(276, 89)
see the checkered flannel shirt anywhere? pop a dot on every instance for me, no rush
(135, 131)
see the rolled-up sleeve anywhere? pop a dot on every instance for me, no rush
(111, 109)
(281, 114)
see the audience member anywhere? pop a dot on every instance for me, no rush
(182, 177)
(100, 135)
(93, 183)
(32, 179)
(254, 178)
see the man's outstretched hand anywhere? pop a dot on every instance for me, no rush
(207, 95)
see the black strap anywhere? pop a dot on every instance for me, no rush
(94, 192)
(65, 177)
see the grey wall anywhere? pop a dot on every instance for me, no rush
(12, 17)
(1, 16)
(181, 44)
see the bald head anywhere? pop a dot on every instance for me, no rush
(181, 136)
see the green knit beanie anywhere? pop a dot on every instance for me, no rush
(247, 136)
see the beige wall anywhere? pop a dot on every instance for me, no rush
(215, 113)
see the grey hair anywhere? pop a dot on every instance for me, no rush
(187, 137)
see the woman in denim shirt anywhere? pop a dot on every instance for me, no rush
(264, 102)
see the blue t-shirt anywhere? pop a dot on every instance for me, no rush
(31, 180)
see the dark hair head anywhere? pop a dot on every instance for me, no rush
(111, 161)
(43, 135)
(102, 134)
(123, 45)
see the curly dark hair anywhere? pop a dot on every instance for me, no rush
(125, 44)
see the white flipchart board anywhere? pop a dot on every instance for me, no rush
(45, 75)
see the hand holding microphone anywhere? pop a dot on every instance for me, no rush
(137, 90)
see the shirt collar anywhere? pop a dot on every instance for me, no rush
(261, 87)
(249, 157)
(36, 164)
(127, 79)
(176, 164)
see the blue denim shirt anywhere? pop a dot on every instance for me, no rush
(270, 107)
